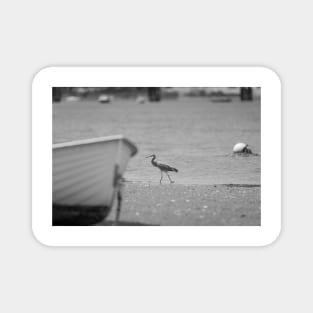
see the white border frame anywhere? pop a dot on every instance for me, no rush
(150, 235)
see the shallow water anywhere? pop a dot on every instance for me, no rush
(194, 135)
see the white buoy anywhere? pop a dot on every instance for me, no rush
(104, 99)
(240, 147)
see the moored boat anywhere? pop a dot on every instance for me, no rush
(86, 178)
(221, 99)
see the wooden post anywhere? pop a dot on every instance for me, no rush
(246, 94)
(56, 94)
(154, 93)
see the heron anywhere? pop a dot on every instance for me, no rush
(162, 167)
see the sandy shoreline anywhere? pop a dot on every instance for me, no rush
(178, 205)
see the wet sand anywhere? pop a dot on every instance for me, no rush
(187, 205)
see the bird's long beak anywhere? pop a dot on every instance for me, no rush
(149, 156)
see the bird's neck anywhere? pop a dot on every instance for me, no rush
(153, 162)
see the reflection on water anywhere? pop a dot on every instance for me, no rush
(194, 135)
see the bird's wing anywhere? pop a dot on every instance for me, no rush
(164, 167)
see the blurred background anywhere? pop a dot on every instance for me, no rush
(193, 129)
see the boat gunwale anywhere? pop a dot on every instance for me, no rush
(96, 140)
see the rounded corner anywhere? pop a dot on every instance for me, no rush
(38, 239)
(273, 238)
(271, 73)
(41, 73)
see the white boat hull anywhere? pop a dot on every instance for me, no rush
(85, 174)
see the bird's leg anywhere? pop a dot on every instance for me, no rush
(161, 177)
(168, 175)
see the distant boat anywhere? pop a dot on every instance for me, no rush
(72, 98)
(86, 178)
(221, 99)
(104, 99)
(140, 99)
